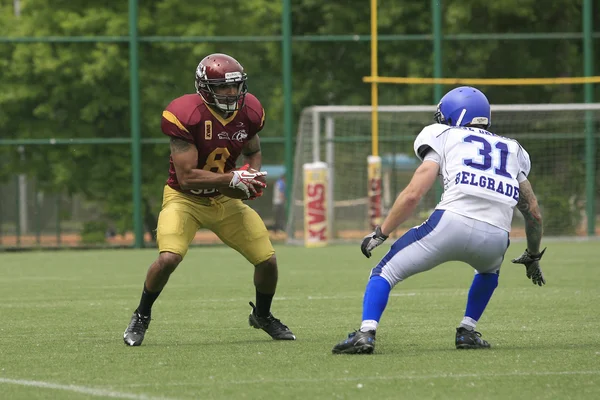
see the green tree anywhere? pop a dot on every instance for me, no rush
(82, 89)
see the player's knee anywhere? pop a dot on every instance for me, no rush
(169, 261)
(268, 265)
(392, 278)
(488, 279)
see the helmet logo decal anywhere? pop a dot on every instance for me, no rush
(233, 76)
(202, 71)
(480, 121)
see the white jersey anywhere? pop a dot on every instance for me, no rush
(481, 171)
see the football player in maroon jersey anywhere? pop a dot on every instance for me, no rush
(209, 131)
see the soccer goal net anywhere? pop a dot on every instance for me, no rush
(339, 138)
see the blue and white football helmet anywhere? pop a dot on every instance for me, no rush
(464, 106)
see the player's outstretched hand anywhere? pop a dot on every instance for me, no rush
(247, 180)
(532, 266)
(371, 241)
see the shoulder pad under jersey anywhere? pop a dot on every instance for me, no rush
(430, 138)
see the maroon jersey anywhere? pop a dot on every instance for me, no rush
(219, 140)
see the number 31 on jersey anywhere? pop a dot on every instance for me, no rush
(488, 154)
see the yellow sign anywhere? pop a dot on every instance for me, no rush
(316, 231)
(374, 191)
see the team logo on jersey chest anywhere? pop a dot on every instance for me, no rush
(239, 135)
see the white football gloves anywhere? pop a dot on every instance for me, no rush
(245, 180)
(532, 266)
(371, 241)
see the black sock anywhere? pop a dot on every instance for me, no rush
(148, 298)
(263, 304)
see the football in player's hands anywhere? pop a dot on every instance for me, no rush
(237, 193)
(262, 178)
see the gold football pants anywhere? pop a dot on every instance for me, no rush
(234, 222)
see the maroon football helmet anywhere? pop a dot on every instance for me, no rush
(217, 72)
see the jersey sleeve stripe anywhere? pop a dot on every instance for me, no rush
(169, 116)
(262, 120)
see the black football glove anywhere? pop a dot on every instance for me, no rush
(532, 266)
(371, 241)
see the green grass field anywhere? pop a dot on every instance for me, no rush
(62, 315)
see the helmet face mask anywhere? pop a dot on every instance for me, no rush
(221, 82)
(464, 106)
(226, 96)
(438, 116)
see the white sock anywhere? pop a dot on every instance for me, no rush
(468, 323)
(368, 325)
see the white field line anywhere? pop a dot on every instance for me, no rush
(122, 395)
(406, 377)
(79, 389)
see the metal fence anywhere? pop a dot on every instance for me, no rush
(54, 215)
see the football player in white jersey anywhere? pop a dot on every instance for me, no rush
(484, 178)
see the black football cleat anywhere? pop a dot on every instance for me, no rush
(134, 334)
(271, 325)
(357, 343)
(466, 339)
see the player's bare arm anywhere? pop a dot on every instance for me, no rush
(409, 198)
(185, 159)
(528, 206)
(252, 153)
